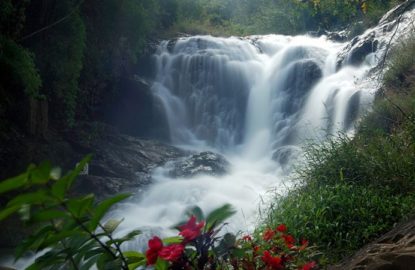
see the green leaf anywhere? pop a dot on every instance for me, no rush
(107, 262)
(219, 215)
(134, 259)
(173, 240)
(52, 240)
(161, 264)
(78, 207)
(41, 173)
(46, 215)
(125, 238)
(32, 198)
(103, 208)
(8, 211)
(111, 225)
(87, 265)
(13, 183)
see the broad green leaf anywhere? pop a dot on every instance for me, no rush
(58, 237)
(87, 265)
(161, 264)
(107, 262)
(13, 183)
(79, 206)
(111, 225)
(8, 211)
(219, 215)
(41, 173)
(173, 240)
(103, 208)
(134, 259)
(46, 215)
(125, 238)
(32, 198)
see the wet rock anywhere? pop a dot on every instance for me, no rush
(121, 163)
(208, 163)
(302, 76)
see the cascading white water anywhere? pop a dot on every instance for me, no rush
(255, 100)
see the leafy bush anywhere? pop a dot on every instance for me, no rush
(72, 236)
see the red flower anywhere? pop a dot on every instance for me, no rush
(282, 228)
(268, 234)
(309, 266)
(191, 229)
(289, 240)
(273, 262)
(155, 245)
(171, 253)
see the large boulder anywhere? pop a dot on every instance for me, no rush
(121, 163)
(208, 163)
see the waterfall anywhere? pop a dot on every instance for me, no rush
(255, 100)
(255, 95)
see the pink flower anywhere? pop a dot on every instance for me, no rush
(171, 253)
(282, 228)
(155, 245)
(191, 229)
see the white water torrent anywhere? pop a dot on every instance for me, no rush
(255, 100)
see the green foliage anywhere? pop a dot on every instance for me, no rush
(342, 217)
(68, 229)
(59, 56)
(401, 66)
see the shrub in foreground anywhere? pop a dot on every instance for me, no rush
(72, 235)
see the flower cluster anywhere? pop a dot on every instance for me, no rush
(172, 253)
(199, 247)
(275, 250)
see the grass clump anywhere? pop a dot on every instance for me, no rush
(354, 189)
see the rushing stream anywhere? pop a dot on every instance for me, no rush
(256, 100)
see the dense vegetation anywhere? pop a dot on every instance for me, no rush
(76, 54)
(353, 190)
